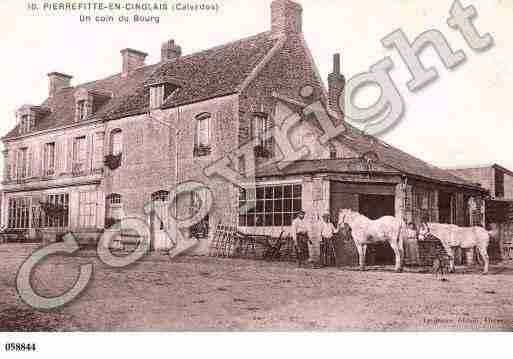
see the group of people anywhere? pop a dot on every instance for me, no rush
(305, 246)
(328, 246)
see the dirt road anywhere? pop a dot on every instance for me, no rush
(201, 293)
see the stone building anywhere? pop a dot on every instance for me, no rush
(499, 206)
(95, 152)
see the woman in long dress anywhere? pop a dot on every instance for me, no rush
(411, 247)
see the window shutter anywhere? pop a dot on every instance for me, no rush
(29, 162)
(42, 159)
(98, 150)
(89, 152)
(69, 155)
(58, 161)
(13, 164)
(207, 129)
(196, 133)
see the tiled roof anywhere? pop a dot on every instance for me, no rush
(354, 165)
(362, 143)
(62, 104)
(214, 72)
(210, 73)
(390, 156)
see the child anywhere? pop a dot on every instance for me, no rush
(411, 247)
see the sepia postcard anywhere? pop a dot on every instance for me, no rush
(240, 166)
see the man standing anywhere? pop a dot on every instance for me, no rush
(300, 236)
(328, 249)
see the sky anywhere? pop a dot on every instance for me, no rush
(462, 119)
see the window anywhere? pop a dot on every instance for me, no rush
(200, 229)
(424, 209)
(333, 151)
(57, 212)
(114, 207)
(23, 163)
(156, 96)
(269, 205)
(49, 159)
(88, 203)
(25, 124)
(161, 209)
(79, 155)
(116, 142)
(98, 158)
(202, 136)
(499, 183)
(19, 212)
(81, 110)
(160, 196)
(203, 130)
(114, 198)
(260, 124)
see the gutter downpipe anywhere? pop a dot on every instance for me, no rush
(177, 133)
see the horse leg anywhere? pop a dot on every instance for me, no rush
(450, 253)
(486, 259)
(397, 254)
(479, 258)
(364, 253)
(361, 255)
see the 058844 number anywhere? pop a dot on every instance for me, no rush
(20, 347)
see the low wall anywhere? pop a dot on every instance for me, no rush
(83, 235)
(429, 250)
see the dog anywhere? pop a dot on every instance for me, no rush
(439, 268)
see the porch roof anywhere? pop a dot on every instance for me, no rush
(338, 165)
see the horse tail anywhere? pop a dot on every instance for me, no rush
(400, 236)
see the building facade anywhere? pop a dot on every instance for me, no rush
(499, 206)
(96, 152)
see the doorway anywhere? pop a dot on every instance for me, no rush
(374, 207)
(159, 220)
(371, 200)
(444, 207)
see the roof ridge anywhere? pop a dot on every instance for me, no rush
(119, 74)
(213, 48)
(160, 63)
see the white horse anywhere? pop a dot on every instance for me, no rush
(366, 231)
(464, 237)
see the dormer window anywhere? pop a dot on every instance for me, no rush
(81, 110)
(25, 124)
(27, 116)
(159, 92)
(87, 102)
(156, 96)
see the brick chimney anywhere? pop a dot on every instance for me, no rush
(336, 83)
(170, 50)
(132, 59)
(285, 17)
(57, 81)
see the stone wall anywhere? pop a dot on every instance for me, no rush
(286, 73)
(150, 151)
(62, 180)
